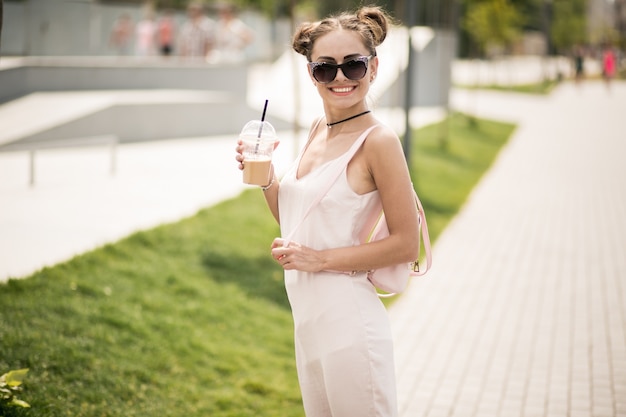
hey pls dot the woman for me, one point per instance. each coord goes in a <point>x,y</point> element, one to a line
<point>608,65</point>
<point>232,36</point>
<point>344,350</point>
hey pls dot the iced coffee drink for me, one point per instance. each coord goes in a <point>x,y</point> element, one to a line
<point>258,139</point>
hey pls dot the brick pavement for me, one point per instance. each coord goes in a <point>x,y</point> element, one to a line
<point>524,311</point>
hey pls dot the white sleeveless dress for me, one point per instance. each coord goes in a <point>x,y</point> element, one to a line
<point>343,341</point>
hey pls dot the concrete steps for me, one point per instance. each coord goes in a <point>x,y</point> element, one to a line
<point>131,115</point>
<point>53,98</point>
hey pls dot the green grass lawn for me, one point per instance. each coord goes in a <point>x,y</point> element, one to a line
<point>543,88</point>
<point>191,318</point>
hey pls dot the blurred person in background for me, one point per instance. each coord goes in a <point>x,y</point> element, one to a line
<point>608,64</point>
<point>145,36</point>
<point>122,35</point>
<point>197,35</point>
<point>166,29</point>
<point>579,63</point>
<point>231,36</point>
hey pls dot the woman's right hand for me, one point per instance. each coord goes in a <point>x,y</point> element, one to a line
<point>239,155</point>
<point>239,150</point>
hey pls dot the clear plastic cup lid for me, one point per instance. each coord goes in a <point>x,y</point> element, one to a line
<point>258,129</point>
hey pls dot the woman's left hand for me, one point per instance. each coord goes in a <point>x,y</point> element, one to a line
<point>296,256</point>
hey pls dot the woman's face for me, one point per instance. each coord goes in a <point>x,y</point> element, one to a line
<point>338,47</point>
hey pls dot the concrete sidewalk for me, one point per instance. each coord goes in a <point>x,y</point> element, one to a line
<point>524,311</point>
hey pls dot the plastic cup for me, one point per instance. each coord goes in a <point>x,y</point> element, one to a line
<point>259,139</point>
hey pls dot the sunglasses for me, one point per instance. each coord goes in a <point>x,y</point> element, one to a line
<point>355,69</point>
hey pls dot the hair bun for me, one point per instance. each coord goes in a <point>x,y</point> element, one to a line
<point>377,20</point>
<point>370,22</point>
<point>302,42</point>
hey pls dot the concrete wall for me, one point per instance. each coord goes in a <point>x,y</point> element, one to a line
<point>188,100</point>
<point>50,74</point>
<point>432,71</point>
<point>13,39</point>
<point>58,27</point>
<point>153,121</point>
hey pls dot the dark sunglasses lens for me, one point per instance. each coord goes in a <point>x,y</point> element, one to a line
<point>354,70</point>
<point>324,73</point>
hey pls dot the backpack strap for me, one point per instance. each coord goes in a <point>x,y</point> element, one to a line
<point>423,226</point>
<point>309,139</point>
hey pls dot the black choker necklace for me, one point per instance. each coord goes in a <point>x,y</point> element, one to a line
<point>349,118</point>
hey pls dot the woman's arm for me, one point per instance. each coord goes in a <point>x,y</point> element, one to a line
<point>270,191</point>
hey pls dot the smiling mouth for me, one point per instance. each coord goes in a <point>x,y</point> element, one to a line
<point>342,89</point>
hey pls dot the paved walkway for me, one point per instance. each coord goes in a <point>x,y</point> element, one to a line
<point>524,312</point>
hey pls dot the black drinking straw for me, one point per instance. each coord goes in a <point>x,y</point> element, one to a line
<point>256,148</point>
<point>262,119</point>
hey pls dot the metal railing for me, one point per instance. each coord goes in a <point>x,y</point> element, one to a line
<point>32,148</point>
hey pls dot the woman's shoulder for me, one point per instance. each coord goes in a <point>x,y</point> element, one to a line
<point>383,144</point>
<point>382,135</point>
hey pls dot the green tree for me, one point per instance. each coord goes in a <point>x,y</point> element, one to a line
<point>532,12</point>
<point>493,23</point>
<point>568,25</point>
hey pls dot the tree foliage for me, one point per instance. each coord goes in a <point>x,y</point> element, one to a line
<point>532,12</point>
<point>493,23</point>
<point>486,22</point>
<point>568,26</point>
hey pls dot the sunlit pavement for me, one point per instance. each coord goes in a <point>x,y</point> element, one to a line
<point>524,311</point>
<point>76,204</point>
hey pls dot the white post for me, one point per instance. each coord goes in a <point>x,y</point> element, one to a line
<point>32,167</point>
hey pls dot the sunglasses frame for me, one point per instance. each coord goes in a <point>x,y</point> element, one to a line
<point>364,59</point>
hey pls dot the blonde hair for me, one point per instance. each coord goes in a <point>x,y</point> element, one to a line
<point>370,22</point>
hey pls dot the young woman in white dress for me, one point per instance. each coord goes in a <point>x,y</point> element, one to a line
<point>344,349</point>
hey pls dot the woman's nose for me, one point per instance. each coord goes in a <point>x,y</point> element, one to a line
<point>340,77</point>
